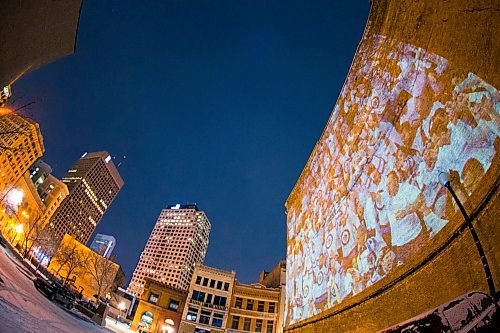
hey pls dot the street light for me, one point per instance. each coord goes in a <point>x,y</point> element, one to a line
<point>19,229</point>
<point>121,307</point>
<point>444,179</point>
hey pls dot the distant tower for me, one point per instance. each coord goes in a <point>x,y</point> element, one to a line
<point>103,244</point>
<point>179,240</point>
<point>39,171</point>
<point>93,183</point>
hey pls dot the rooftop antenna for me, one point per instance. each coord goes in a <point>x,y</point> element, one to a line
<point>121,161</point>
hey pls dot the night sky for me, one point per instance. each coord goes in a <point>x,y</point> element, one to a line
<point>217,103</point>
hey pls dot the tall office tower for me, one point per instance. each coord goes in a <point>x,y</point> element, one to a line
<point>93,183</point>
<point>103,244</point>
<point>178,242</point>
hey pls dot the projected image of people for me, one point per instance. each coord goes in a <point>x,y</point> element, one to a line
<point>370,198</point>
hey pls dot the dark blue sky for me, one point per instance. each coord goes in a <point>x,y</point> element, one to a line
<point>214,102</point>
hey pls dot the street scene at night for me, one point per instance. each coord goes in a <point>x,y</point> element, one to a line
<point>249,166</point>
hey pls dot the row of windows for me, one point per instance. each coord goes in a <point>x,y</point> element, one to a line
<point>205,317</point>
<point>210,299</point>
<point>173,305</point>
<point>213,283</point>
<point>245,324</point>
<point>250,305</point>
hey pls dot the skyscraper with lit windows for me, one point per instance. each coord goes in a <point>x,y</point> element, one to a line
<point>178,242</point>
<point>93,183</point>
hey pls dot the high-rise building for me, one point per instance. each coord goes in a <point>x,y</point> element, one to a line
<point>103,244</point>
<point>93,183</point>
<point>179,240</point>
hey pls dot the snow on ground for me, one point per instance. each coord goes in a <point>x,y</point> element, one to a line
<point>25,309</point>
<point>118,327</point>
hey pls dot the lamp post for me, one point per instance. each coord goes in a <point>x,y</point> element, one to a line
<point>121,307</point>
<point>444,179</point>
<point>18,231</point>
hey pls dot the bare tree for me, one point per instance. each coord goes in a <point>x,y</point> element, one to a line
<point>102,272</point>
<point>71,258</point>
<point>47,242</point>
<point>32,229</point>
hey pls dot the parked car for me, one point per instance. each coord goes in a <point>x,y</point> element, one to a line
<point>472,312</point>
<point>55,292</point>
<point>89,305</point>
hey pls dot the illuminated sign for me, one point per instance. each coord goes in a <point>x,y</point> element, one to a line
<point>369,197</point>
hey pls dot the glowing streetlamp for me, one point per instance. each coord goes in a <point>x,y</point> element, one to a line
<point>444,179</point>
<point>168,327</point>
<point>14,198</point>
<point>19,229</point>
<point>121,307</point>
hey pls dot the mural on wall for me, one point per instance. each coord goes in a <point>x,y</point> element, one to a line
<point>369,197</point>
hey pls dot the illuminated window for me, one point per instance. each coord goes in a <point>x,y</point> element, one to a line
<point>217,319</point>
<point>173,305</point>
<point>192,314</point>
<point>147,318</point>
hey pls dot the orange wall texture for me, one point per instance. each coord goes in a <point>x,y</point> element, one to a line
<point>371,233</point>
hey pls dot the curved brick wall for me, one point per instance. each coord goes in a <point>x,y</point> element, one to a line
<point>421,96</point>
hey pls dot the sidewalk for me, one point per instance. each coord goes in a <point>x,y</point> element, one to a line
<point>117,327</point>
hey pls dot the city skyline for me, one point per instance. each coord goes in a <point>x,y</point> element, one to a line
<point>225,123</point>
<point>352,146</point>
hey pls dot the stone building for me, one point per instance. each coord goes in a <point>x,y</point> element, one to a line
<point>254,308</point>
<point>21,144</point>
<point>276,278</point>
<point>208,301</point>
<point>87,271</point>
<point>160,308</point>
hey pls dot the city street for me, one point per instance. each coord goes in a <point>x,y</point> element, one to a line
<point>25,309</point>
